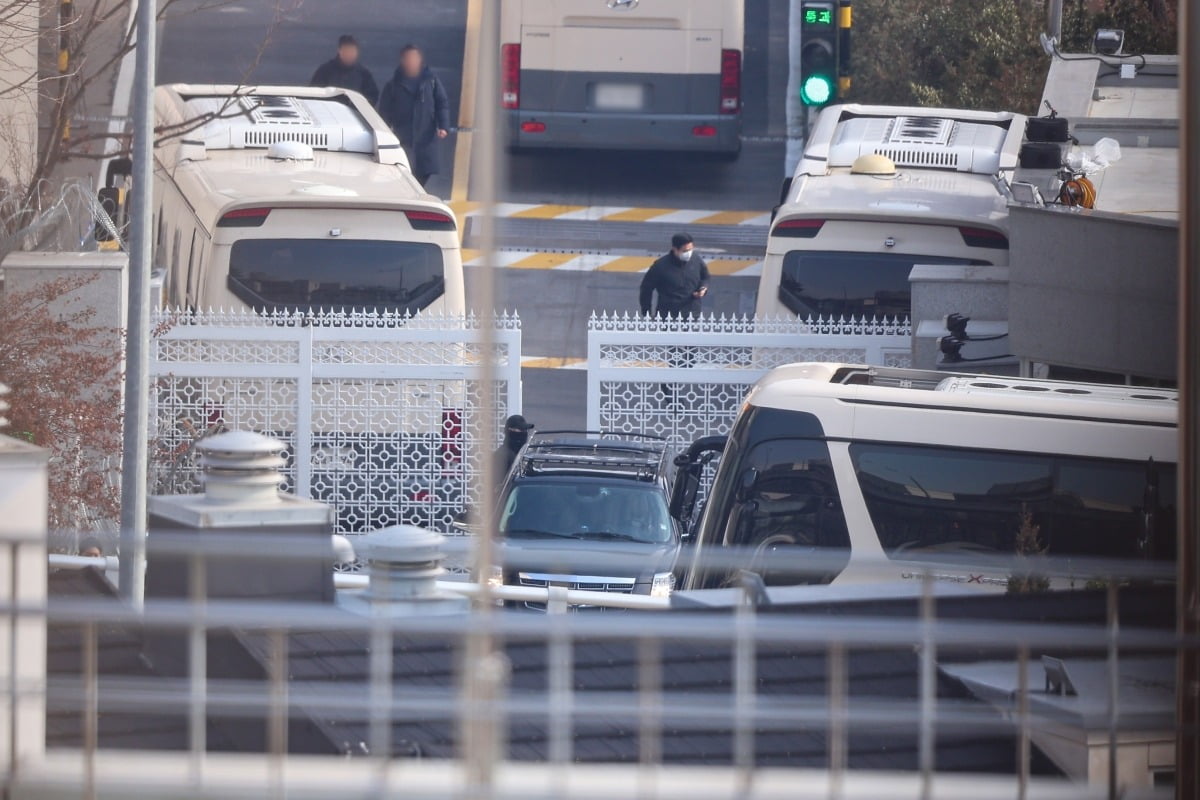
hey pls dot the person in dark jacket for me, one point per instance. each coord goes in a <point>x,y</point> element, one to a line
<point>344,71</point>
<point>415,105</point>
<point>516,434</point>
<point>680,278</point>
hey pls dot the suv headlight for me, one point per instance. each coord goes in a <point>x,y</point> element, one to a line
<point>663,584</point>
<point>495,578</point>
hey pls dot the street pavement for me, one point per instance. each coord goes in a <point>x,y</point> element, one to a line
<point>282,42</point>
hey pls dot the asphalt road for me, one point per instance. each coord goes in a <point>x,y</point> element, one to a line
<point>282,42</point>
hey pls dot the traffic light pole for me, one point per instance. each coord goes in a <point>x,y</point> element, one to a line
<point>797,112</point>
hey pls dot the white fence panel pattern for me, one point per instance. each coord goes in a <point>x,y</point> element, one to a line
<point>685,378</point>
<point>381,413</point>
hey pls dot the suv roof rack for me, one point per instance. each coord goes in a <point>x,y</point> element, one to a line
<point>640,456</point>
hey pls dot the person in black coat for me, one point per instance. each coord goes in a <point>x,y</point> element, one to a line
<point>345,72</point>
<point>680,279</point>
<point>415,105</point>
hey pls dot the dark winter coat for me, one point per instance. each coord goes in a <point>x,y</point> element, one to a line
<point>675,282</point>
<point>415,118</point>
<point>355,77</point>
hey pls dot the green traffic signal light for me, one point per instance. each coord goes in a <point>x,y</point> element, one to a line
<point>817,90</point>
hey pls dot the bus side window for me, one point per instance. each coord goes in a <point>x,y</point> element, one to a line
<point>190,297</point>
<point>174,280</point>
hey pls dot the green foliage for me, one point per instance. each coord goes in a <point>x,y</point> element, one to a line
<point>983,54</point>
<point>1028,543</point>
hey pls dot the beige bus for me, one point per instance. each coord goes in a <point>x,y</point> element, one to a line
<point>879,190</point>
<point>623,74</point>
<point>294,199</point>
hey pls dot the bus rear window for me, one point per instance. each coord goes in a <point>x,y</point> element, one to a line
<point>846,284</point>
<point>303,274</point>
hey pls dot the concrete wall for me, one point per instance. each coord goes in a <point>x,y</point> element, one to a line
<point>18,93</point>
<point>106,294</point>
<point>980,293</point>
<point>1094,291</point>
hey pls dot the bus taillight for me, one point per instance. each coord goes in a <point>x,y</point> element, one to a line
<point>244,218</point>
<point>430,221</point>
<point>798,228</point>
<point>984,237</point>
<point>731,81</point>
<point>510,75</point>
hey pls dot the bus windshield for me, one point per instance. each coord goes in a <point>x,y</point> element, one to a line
<point>303,274</point>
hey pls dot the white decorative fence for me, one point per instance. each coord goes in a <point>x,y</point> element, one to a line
<point>380,413</point>
<point>683,379</point>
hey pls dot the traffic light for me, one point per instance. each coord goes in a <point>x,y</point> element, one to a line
<point>818,53</point>
<point>824,51</point>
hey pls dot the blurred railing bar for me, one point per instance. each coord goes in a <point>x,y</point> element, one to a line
<point>928,689</point>
<point>838,735</point>
<point>1114,678</point>
<point>774,629</point>
<point>688,711</point>
<point>197,668</point>
<point>1024,735</point>
<point>804,564</point>
<point>91,710</point>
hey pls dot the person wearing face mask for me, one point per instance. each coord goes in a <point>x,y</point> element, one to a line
<point>516,434</point>
<point>680,278</point>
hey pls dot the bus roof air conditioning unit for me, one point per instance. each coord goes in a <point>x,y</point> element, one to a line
<point>922,142</point>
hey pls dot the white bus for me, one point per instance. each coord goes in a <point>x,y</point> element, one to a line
<point>284,198</point>
<point>858,467</point>
<point>623,74</point>
<point>878,190</point>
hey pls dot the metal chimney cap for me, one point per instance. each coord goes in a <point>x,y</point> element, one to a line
<point>240,443</point>
<point>402,544</point>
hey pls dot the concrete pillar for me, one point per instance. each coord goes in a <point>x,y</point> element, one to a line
<point>23,503</point>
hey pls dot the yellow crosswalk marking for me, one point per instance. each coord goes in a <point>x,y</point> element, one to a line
<point>546,212</point>
<point>728,218</point>
<point>627,264</point>
<point>469,255</point>
<point>544,261</point>
<point>729,266</point>
<point>550,363</point>
<point>637,214</point>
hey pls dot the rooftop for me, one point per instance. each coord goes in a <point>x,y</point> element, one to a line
<point>1140,112</point>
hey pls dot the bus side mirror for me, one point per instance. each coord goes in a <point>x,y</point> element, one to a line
<point>683,494</point>
<point>690,469</point>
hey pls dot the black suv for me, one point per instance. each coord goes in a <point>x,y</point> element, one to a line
<point>589,511</point>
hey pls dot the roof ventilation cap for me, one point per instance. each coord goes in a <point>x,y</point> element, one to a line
<point>241,467</point>
<point>290,151</point>
<point>873,164</point>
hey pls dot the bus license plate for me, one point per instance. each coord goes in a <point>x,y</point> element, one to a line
<point>619,96</point>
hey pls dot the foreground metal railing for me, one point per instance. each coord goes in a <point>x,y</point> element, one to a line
<point>875,690</point>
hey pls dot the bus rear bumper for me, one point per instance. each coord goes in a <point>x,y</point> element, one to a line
<point>533,130</point>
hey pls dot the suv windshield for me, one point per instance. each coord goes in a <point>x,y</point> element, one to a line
<point>586,510</point>
<point>831,284</point>
<point>270,274</point>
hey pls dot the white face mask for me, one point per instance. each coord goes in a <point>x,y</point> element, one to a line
<point>685,255</point>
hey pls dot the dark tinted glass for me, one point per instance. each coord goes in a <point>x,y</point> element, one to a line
<point>931,500</point>
<point>586,510</point>
<point>825,284</point>
<point>335,273</point>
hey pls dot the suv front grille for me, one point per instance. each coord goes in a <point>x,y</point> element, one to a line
<point>586,583</point>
